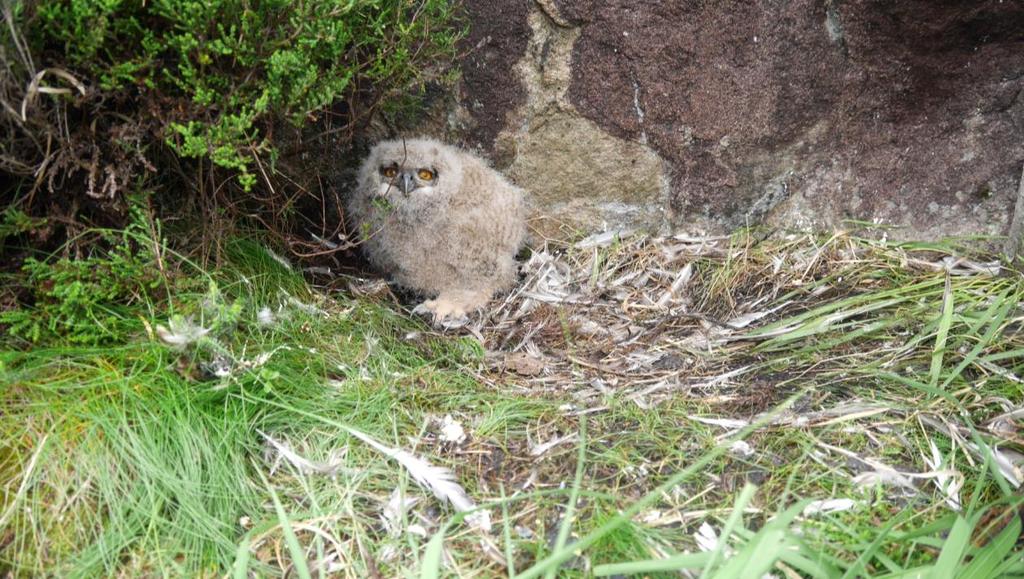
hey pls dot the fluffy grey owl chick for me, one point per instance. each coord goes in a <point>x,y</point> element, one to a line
<point>439,221</point>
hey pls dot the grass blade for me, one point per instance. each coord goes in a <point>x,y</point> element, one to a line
<point>430,567</point>
<point>953,550</point>
<point>570,509</point>
<point>945,321</point>
<point>507,534</point>
<point>992,555</point>
<point>240,568</point>
<point>290,539</point>
<point>746,495</point>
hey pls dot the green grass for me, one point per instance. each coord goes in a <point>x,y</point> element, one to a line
<point>130,457</point>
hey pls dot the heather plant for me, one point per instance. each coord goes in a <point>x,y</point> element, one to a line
<point>113,85</point>
<point>88,300</point>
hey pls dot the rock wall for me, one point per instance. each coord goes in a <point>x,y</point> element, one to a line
<point>706,114</point>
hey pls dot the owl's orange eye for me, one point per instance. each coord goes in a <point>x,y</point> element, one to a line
<point>426,175</point>
<point>389,172</point>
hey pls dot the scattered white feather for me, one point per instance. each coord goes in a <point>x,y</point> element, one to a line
<point>680,282</point>
<point>880,473</point>
<point>636,471</point>
<point>438,480</point>
<point>651,516</point>
<point>1006,423</point>
<point>603,239</point>
<point>726,423</point>
<point>741,448</point>
<point>181,332</point>
<point>542,448</point>
<point>388,553</point>
<point>707,538</point>
<point>884,475</point>
<point>330,468</point>
<point>220,366</point>
<point>1008,461</point>
<point>829,506</point>
<point>266,317</point>
<point>777,262</point>
<point>548,280</point>
<point>304,307</point>
<point>394,512</point>
<point>284,262</point>
<point>452,431</point>
<point>961,266</point>
<point>947,483</point>
<point>745,320</point>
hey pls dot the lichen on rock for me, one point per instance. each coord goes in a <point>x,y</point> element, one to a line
<point>802,114</point>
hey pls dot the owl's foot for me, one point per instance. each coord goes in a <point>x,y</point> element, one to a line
<point>452,306</point>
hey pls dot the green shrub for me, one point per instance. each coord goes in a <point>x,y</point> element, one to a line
<point>87,301</point>
<point>213,71</point>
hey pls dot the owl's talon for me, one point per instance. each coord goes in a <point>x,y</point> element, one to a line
<point>442,309</point>
<point>452,310</point>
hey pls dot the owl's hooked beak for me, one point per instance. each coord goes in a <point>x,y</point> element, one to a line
<point>406,183</point>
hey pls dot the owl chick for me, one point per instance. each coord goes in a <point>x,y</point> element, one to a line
<point>440,222</point>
